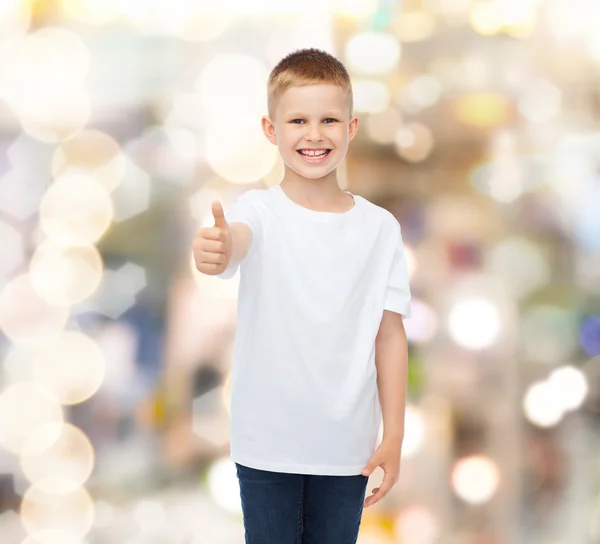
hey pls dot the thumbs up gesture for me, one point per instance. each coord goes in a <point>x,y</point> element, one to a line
<point>213,245</point>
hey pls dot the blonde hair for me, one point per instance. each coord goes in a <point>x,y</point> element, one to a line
<point>307,67</point>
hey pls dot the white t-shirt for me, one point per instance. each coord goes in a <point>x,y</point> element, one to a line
<point>313,288</point>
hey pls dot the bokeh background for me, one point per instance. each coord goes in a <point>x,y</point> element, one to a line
<point>122,120</point>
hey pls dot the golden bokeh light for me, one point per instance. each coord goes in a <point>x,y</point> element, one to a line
<point>483,109</point>
<point>58,118</point>
<point>414,26</point>
<point>65,275</point>
<point>237,150</point>
<point>76,210</point>
<point>372,53</point>
<point>414,142</point>
<point>204,27</point>
<point>95,12</point>
<point>220,93</point>
<point>94,152</point>
<point>25,316</point>
<point>69,511</point>
<point>24,408</point>
<point>41,67</point>
<point>15,16</point>
<point>68,455</point>
<point>71,366</point>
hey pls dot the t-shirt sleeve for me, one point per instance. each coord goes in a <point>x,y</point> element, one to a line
<point>244,209</point>
<point>397,294</point>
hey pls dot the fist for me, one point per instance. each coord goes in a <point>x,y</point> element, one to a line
<point>213,245</point>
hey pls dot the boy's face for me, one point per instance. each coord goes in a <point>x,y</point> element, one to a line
<point>312,128</point>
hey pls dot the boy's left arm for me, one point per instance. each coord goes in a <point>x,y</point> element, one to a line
<point>391,360</point>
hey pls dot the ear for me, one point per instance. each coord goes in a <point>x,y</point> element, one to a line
<point>352,127</point>
<point>269,129</point>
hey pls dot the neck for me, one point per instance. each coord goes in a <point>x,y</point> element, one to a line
<point>321,190</point>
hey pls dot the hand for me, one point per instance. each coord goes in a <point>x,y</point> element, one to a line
<point>387,456</point>
<point>213,245</point>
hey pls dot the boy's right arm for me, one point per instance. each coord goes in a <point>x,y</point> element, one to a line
<point>222,246</point>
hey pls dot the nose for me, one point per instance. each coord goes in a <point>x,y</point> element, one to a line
<point>313,133</point>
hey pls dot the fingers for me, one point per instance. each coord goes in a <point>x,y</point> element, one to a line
<point>381,491</point>
<point>211,233</point>
<point>217,211</point>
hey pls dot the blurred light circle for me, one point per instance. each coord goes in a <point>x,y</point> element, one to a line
<point>224,485</point>
<point>422,325</point>
<point>372,53</point>
<point>68,455</point>
<point>540,100</point>
<point>414,142</point>
<point>569,385</point>
<point>424,91</point>
<point>25,407</point>
<point>75,210</point>
<point>237,151</point>
<point>520,263</point>
<point>68,511</point>
<point>15,16</point>
<point>26,317</point>
<point>475,479</point>
<point>94,12</point>
<point>71,366</point>
<point>417,524</point>
<point>42,66</point>
<point>94,152</point>
<point>58,118</point>
<point>370,96</point>
<point>414,435</point>
<point>204,26</point>
<point>482,109</point>
<point>474,323</point>
<point>65,275</point>
<point>414,26</point>
<point>221,93</point>
<point>383,126</point>
<point>540,405</point>
<point>485,18</point>
<point>53,537</point>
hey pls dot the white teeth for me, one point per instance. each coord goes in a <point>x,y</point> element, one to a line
<point>313,153</point>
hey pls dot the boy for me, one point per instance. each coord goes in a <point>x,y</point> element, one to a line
<point>320,353</point>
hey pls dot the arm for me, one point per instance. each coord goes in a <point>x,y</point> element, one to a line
<point>241,238</point>
<point>391,360</point>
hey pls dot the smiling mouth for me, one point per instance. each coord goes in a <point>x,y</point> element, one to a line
<point>314,155</point>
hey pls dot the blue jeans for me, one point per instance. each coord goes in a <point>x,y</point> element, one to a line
<point>282,508</point>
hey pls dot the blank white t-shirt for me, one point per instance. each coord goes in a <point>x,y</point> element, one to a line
<point>313,288</point>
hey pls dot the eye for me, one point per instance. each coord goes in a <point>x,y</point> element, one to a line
<point>330,120</point>
<point>296,121</point>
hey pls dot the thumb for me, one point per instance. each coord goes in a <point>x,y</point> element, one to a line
<point>217,211</point>
<point>370,466</point>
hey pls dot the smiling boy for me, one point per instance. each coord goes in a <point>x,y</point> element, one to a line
<point>320,354</point>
